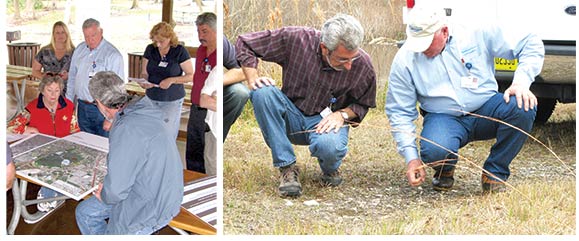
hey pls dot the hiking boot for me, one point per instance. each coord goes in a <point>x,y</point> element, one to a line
<point>289,181</point>
<point>491,186</point>
<point>442,180</point>
<point>332,180</point>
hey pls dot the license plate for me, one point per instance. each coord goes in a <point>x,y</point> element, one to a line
<point>506,64</point>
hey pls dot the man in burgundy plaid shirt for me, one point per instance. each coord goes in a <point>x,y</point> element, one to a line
<point>327,83</point>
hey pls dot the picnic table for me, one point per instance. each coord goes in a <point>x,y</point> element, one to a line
<point>19,75</point>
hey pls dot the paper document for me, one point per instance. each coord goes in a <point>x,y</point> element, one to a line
<point>73,166</point>
<point>142,81</point>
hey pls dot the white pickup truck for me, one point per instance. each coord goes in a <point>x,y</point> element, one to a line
<point>553,20</point>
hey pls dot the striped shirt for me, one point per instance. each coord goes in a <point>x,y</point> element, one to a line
<point>307,80</point>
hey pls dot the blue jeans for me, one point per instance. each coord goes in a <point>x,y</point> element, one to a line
<point>48,193</point>
<point>234,98</point>
<point>454,132</point>
<point>91,215</point>
<point>172,111</point>
<point>279,119</point>
<point>90,119</point>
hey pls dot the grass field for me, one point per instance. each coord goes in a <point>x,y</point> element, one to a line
<point>375,197</point>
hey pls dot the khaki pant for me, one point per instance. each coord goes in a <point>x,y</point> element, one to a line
<point>210,153</point>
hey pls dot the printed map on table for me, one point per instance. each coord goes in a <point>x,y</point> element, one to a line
<point>73,166</point>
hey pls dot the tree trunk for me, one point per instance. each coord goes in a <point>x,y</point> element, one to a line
<point>67,9</point>
<point>29,5</point>
<point>135,4</point>
<point>17,16</point>
<point>30,8</point>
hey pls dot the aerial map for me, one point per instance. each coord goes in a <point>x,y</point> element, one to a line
<point>30,143</point>
<point>70,168</point>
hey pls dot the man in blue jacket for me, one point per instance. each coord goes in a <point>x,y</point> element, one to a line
<point>143,188</point>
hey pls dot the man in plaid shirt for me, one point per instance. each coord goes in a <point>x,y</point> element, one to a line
<point>327,82</point>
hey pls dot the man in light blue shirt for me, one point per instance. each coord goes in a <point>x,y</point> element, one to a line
<point>93,55</point>
<point>449,71</point>
<point>143,188</point>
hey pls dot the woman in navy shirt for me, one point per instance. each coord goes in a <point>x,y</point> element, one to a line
<point>166,65</point>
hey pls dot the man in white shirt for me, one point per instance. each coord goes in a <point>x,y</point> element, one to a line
<point>449,71</point>
<point>208,100</point>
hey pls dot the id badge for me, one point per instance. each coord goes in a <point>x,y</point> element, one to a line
<point>326,112</point>
<point>469,82</point>
<point>91,74</point>
<point>207,68</point>
<point>163,64</point>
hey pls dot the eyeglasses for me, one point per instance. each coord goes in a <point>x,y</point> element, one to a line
<point>345,60</point>
<point>52,74</point>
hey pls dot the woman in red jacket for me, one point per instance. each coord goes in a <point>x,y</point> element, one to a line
<point>51,114</point>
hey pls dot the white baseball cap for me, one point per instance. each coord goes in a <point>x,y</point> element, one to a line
<point>423,22</point>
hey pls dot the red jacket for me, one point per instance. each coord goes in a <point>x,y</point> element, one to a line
<point>64,121</point>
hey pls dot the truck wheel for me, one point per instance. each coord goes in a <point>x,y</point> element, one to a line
<point>544,110</point>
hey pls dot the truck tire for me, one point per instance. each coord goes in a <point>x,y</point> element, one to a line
<point>544,109</point>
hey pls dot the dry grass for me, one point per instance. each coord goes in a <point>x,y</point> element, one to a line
<point>382,21</point>
<point>376,198</point>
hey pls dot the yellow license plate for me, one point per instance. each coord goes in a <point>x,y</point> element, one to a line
<point>506,64</point>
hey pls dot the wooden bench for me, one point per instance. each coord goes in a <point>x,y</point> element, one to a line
<point>187,221</point>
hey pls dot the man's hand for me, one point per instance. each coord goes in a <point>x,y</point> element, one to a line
<point>97,193</point>
<point>260,82</point>
<point>524,96</point>
<point>415,172</point>
<point>331,122</point>
<point>107,125</point>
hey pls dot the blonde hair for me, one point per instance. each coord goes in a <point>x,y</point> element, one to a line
<point>68,44</point>
<point>164,30</point>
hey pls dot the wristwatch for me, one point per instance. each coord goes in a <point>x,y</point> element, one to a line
<point>344,115</point>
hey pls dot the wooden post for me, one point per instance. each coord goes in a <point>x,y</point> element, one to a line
<point>167,11</point>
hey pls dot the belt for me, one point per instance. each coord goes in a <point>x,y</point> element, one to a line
<point>198,107</point>
<point>87,102</point>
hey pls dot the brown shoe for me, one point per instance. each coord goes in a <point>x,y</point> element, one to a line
<point>289,181</point>
<point>442,180</point>
<point>490,185</point>
<point>332,180</point>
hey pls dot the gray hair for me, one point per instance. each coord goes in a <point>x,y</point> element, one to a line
<point>49,79</point>
<point>343,29</point>
<point>109,89</point>
<point>90,22</point>
<point>207,18</point>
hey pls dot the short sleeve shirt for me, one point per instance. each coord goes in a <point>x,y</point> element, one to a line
<point>158,72</point>
<point>50,63</point>
<point>204,63</point>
